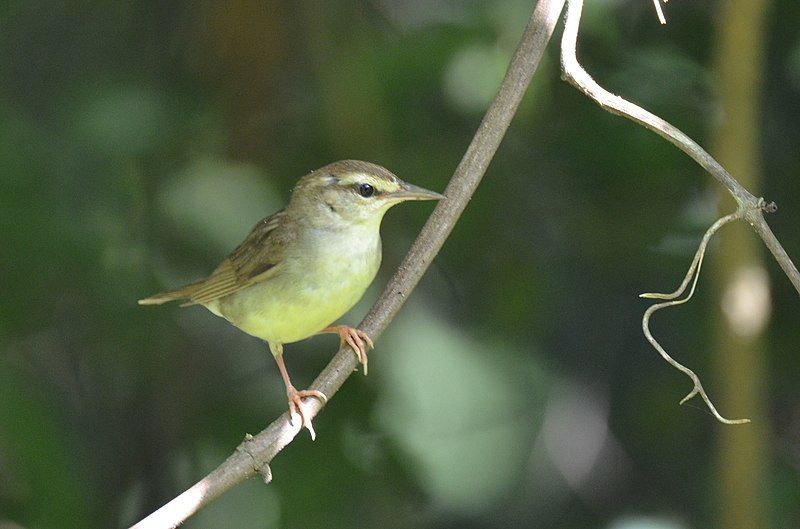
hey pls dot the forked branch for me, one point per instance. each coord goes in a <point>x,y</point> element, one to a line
<point>255,453</point>
<point>750,208</point>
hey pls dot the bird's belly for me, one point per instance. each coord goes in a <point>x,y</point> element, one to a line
<point>292,306</point>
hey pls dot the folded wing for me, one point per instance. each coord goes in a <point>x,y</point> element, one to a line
<point>255,260</point>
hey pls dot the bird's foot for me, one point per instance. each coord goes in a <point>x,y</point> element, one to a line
<point>355,338</point>
<point>296,406</point>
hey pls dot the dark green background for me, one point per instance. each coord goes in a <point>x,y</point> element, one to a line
<point>139,142</point>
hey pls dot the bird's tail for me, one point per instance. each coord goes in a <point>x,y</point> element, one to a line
<point>173,295</point>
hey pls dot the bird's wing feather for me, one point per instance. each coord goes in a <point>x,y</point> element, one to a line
<point>253,261</point>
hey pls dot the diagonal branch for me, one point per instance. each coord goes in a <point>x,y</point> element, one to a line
<point>659,11</point>
<point>750,207</point>
<point>254,454</point>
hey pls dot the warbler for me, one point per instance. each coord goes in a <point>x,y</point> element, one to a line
<point>302,268</point>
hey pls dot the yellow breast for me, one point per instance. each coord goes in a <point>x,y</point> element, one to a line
<point>313,287</point>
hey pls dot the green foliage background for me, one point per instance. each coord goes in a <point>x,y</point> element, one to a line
<point>140,140</point>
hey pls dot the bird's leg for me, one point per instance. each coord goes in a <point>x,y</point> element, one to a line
<point>295,396</point>
<point>355,338</point>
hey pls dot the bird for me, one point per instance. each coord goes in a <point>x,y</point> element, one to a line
<point>301,268</point>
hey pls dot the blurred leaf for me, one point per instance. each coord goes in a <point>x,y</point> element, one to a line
<point>473,76</point>
<point>125,121</point>
<point>646,522</point>
<point>450,400</point>
<point>218,201</point>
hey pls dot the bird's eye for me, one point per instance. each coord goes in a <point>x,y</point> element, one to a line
<point>366,190</point>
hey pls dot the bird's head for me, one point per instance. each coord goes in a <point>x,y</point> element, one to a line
<point>353,191</point>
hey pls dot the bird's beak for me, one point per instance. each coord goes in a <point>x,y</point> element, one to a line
<point>411,192</point>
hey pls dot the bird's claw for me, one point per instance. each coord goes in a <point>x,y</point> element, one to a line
<point>355,338</point>
<point>359,341</point>
<point>296,407</point>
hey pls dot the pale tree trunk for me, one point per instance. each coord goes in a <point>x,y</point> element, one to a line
<point>742,282</point>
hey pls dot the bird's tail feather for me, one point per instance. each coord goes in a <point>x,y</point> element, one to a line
<point>173,295</point>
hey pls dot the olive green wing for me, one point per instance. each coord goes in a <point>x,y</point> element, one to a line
<point>255,260</point>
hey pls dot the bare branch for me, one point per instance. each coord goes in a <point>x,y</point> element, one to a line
<point>659,11</point>
<point>255,453</point>
<point>750,207</point>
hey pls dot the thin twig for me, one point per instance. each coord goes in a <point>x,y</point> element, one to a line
<point>255,453</point>
<point>751,208</point>
<point>694,271</point>
<point>659,11</point>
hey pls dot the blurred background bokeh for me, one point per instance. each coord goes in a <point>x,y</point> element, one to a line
<point>140,140</point>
